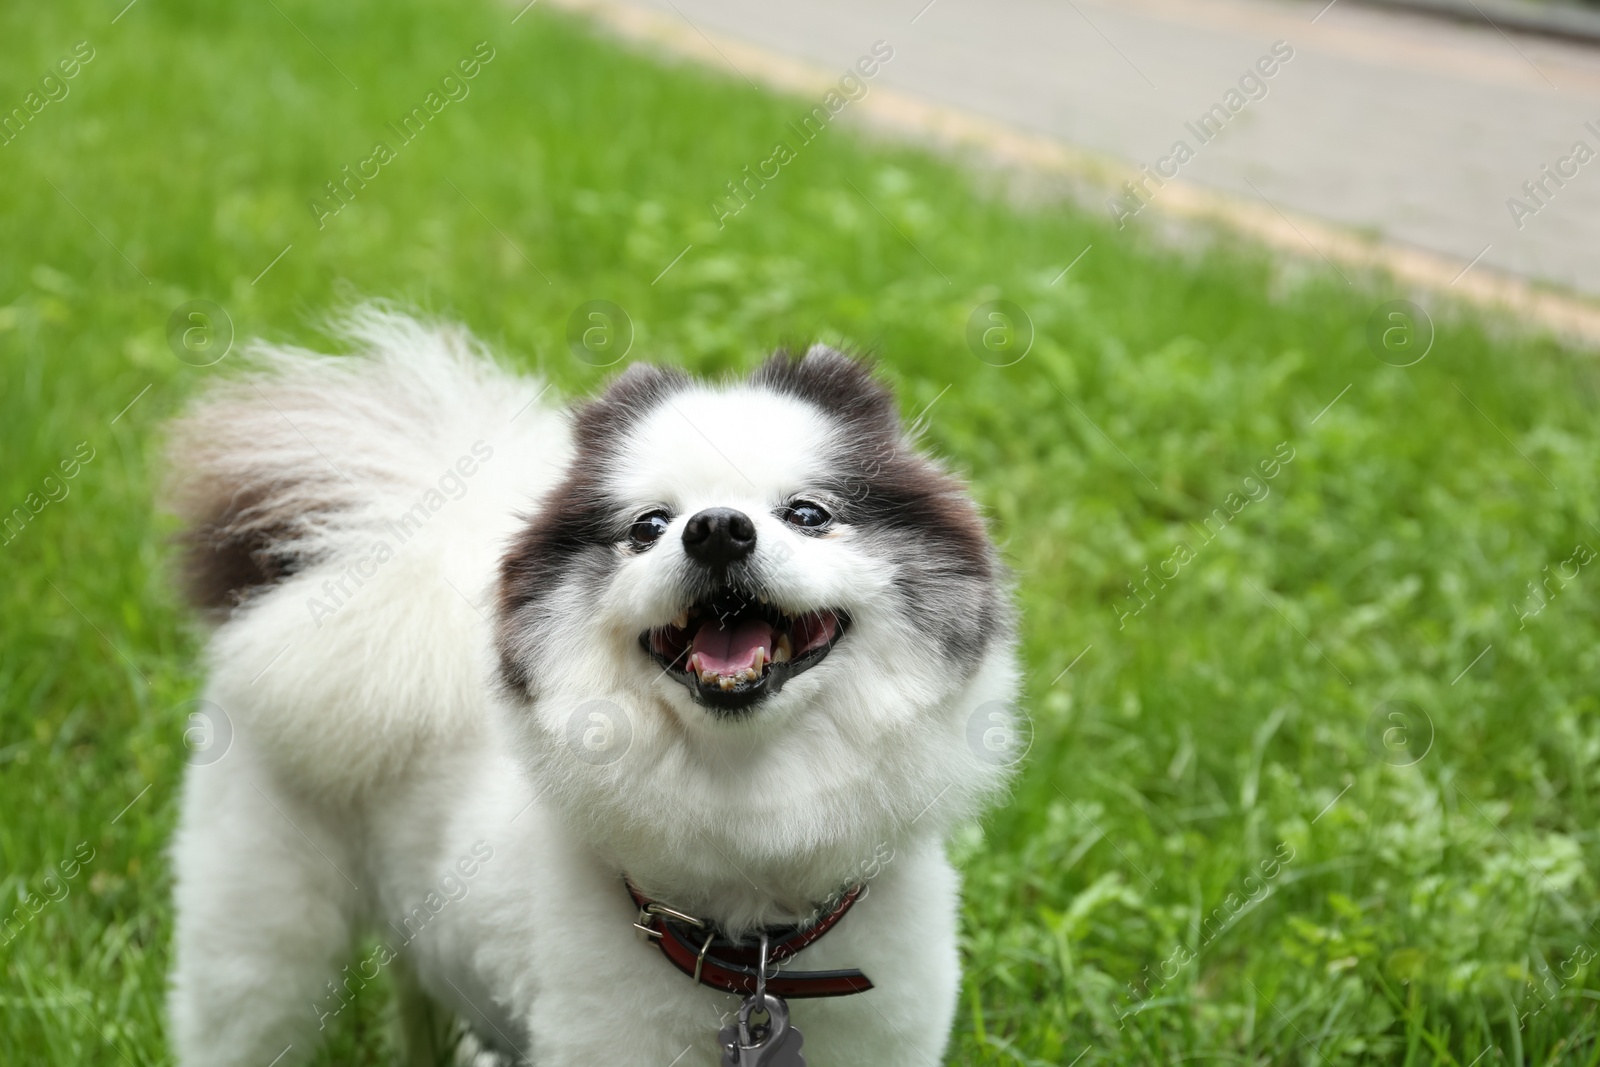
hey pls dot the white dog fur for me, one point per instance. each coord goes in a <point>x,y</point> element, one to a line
<point>411,746</point>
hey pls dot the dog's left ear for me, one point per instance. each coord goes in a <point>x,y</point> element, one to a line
<point>842,385</point>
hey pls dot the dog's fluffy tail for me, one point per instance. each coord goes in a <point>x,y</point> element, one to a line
<point>342,519</point>
<point>282,466</point>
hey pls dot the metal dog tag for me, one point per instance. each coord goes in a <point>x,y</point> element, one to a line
<point>774,1043</point>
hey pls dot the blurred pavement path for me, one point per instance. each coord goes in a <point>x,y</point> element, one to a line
<point>1397,126</point>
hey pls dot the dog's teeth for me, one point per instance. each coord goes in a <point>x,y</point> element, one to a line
<point>726,683</point>
<point>761,597</point>
<point>681,619</point>
<point>760,662</point>
<point>783,650</point>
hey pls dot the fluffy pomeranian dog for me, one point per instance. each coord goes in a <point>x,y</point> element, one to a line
<point>555,717</point>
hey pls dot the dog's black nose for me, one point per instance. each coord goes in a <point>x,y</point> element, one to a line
<point>719,536</point>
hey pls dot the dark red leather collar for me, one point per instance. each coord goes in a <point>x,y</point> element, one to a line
<point>696,948</point>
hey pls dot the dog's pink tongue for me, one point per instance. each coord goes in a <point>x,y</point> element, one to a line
<point>729,650</point>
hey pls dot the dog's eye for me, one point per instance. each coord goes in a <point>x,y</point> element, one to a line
<point>648,528</point>
<point>805,514</point>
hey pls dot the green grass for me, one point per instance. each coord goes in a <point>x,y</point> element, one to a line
<point>1431,913</point>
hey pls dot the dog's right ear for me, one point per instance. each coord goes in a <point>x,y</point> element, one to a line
<point>634,394</point>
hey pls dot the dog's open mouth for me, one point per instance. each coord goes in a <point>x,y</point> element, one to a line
<point>734,648</point>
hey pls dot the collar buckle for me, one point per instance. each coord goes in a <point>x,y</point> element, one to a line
<point>650,911</point>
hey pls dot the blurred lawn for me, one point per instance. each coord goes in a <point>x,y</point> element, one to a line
<point>1185,764</point>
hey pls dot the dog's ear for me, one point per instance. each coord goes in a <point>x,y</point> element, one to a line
<point>844,386</point>
<point>631,396</point>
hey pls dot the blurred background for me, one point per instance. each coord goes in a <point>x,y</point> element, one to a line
<point>1264,330</point>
